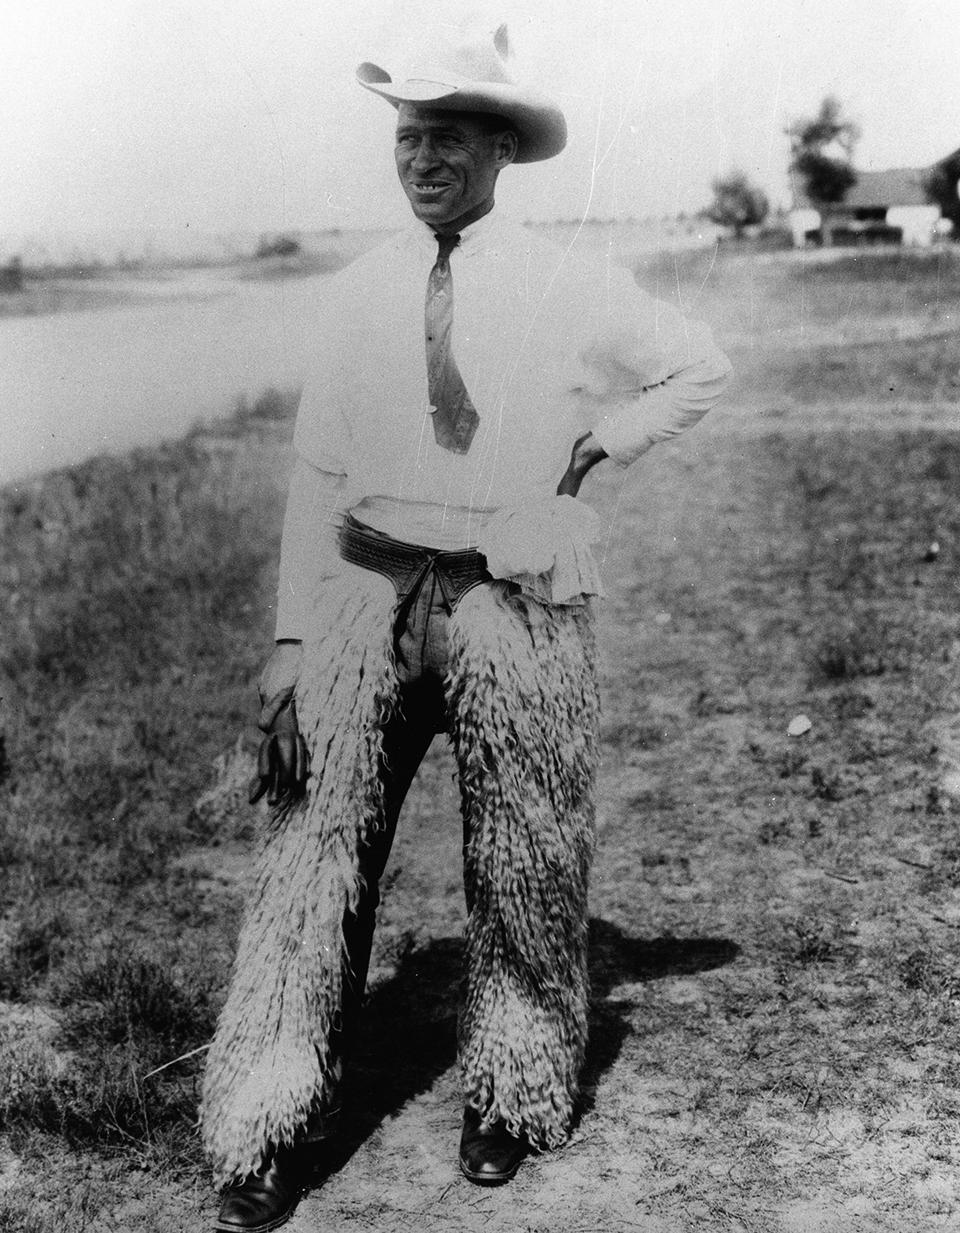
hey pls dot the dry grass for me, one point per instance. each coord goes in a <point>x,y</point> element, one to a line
<point>136,603</point>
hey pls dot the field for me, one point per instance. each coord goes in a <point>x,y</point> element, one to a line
<point>776,993</point>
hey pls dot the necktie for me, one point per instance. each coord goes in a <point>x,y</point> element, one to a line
<point>455,418</point>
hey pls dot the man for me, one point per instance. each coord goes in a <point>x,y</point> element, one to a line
<point>436,576</point>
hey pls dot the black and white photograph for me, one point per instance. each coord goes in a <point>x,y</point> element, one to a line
<point>480,616</point>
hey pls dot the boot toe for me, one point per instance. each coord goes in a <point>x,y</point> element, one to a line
<point>489,1156</point>
<point>265,1200</point>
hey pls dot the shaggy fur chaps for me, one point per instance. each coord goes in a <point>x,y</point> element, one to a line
<point>522,699</point>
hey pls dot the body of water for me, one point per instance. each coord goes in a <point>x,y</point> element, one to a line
<point>81,383</point>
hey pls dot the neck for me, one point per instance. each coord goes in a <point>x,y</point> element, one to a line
<point>456,225</point>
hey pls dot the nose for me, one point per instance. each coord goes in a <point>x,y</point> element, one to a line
<point>425,156</point>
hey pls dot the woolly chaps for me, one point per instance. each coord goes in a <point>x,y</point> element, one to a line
<point>522,701</point>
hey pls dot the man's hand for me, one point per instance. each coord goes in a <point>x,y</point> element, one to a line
<point>282,761</point>
<point>586,453</point>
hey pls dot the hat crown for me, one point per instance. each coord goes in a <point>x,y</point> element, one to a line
<point>472,56</point>
<point>480,58</point>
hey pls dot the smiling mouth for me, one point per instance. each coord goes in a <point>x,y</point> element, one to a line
<point>429,186</point>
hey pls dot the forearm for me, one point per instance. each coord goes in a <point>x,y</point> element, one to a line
<point>651,380</point>
<point>632,426</point>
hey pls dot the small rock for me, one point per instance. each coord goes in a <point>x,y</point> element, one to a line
<point>799,725</point>
<point>950,783</point>
<point>933,551</point>
<point>662,618</point>
<point>9,1169</point>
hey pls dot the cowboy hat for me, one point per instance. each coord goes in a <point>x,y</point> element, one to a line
<point>471,75</point>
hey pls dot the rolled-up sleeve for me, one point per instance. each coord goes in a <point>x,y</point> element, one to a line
<point>653,381</point>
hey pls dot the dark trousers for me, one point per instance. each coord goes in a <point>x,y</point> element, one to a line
<point>422,654</point>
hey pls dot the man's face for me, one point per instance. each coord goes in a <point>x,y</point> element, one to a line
<point>448,163</point>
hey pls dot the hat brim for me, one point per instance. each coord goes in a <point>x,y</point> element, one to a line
<point>538,122</point>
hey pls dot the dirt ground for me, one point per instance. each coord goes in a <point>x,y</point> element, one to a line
<point>776,995</point>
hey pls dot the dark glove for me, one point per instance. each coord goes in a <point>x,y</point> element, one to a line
<point>586,453</point>
<point>282,760</point>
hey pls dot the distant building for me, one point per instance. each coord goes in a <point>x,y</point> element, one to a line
<point>883,207</point>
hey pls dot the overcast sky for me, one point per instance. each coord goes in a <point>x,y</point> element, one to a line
<point>238,115</point>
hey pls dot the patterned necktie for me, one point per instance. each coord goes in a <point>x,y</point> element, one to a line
<point>455,418</point>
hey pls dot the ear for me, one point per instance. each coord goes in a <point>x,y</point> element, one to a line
<point>505,147</point>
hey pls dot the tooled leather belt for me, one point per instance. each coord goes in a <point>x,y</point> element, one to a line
<point>409,566</point>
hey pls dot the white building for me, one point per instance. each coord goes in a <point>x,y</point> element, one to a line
<point>883,207</point>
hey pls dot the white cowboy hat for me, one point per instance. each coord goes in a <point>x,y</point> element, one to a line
<point>471,75</point>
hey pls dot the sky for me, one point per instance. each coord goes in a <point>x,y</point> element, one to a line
<point>232,116</point>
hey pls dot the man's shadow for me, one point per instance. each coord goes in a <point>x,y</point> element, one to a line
<point>407,1038</point>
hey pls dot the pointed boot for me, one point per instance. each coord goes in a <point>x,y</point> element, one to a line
<point>268,1198</point>
<point>488,1157</point>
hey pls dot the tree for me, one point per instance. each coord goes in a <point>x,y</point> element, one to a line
<point>737,203</point>
<point>942,185</point>
<point>821,152</point>
<point>278,246</point>
<point>11,275</point>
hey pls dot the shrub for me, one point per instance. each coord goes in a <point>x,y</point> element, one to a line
<point>104,1103</point>
<point>853,653</point>
<point>273,406</point>
<point>737,203</point>
<point>124,998</point>
<point>815,940</point>
<point>278,246</point>
<point>34,947</point>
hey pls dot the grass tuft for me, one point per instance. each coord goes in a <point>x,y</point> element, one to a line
<point>815,939</point>
<point>127,998</point>
<point>853,653</point>
<point>102,1104</point>
<point>36,945</point>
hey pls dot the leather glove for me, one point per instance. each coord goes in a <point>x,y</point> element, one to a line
<point>282,760</point>
<point>584,456</point>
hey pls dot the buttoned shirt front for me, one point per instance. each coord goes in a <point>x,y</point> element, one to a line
<point>549,346</point>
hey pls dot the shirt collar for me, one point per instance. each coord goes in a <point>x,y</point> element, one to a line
<point>478,235</point>
<point>475,238</point>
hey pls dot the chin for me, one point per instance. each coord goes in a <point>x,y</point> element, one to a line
<point>433,215</point>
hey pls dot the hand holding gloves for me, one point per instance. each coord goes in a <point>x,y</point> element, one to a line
<point>282,760</point>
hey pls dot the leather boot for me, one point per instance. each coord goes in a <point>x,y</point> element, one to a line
<point>268,1198</point>
<point>488,1157</point>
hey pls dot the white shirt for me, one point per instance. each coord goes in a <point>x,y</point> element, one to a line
<point>549,347</point>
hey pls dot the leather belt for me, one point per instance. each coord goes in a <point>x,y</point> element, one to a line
<point>409,566</point>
